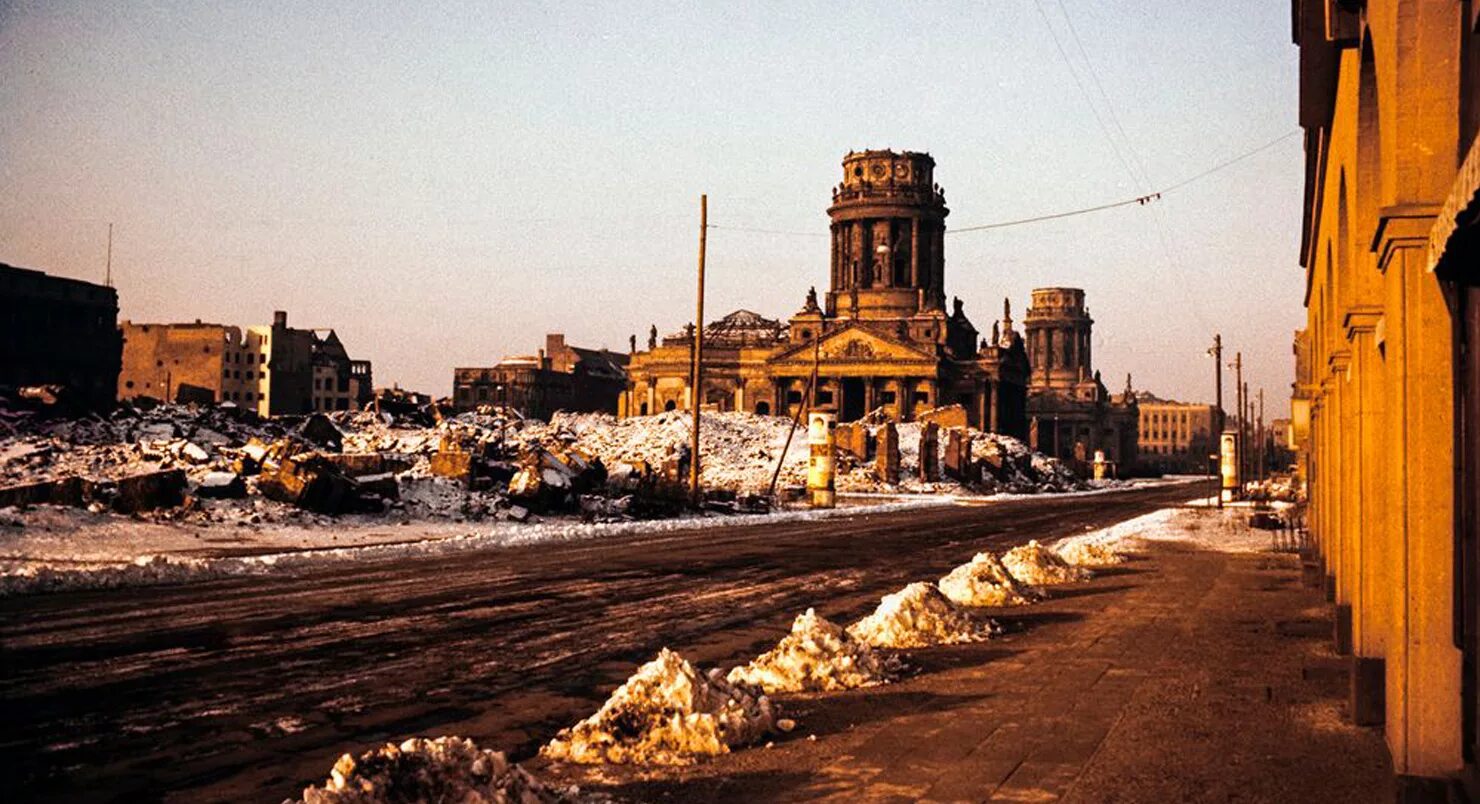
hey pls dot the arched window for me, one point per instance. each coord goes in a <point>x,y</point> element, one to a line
<point>670,405</point>
<point>763,408</point>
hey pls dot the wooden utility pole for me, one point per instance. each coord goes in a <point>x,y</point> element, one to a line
<point>1217,423</point>
<point>696,374</point>
<point>108,270</point>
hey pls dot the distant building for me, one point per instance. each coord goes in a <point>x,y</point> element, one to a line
<point>1175,437</point>
<point>1071,413</point>
<point>559,377</point>
<point>271,369</point>
<point>883,338</point>
<point>56,331</point>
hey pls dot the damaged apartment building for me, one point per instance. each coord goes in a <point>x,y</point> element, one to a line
<point>270,369</point>
<point>558,377</point>
<point>882,338</point>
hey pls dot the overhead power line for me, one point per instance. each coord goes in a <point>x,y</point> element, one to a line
<point>1141,200</point>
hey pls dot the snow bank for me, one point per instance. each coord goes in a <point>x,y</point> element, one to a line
<point>1034,564</point>
<point>1089,554</point>
<point>450,769</point>
<point>817,656</point>
<point>667,714</point>
<point>1196,525</point>
<point>62,564</point>
<point>918,616</point>
<point>984,581</point>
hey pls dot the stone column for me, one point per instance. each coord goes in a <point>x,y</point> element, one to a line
<point>915,252</point>
<point>1341,448</point>
<point>740,396</point>
<point>1367,486</point>
<point>992,405</point>
<point>652,396</point>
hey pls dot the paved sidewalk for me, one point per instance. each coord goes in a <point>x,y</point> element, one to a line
<point>1184,676</point>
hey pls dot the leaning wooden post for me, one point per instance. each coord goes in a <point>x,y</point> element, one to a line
<point>696,394</point>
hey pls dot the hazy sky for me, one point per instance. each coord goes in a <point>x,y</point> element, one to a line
<point>443,183</point>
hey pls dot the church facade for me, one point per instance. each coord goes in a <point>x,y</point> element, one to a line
<point>880,339</point>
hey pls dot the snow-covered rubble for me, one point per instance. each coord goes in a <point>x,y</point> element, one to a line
<point>984,581</point>
<point>1037,565</point>
<point>1196,524</point>
<point>667,713</point>
<point>445,769</point>
<point>816,656</point>
<point>918,616</point>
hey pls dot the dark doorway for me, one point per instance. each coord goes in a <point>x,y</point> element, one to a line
<point>853,400</point>
<point>763,408</point>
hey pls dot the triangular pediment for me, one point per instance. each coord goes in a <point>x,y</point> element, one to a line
<point>856,343</point>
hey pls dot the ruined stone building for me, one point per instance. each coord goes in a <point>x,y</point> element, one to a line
<point>558,377</point>
<point>1175,437</point>
<point>58,331</point>
<point>271,369</point>
<point>881,338</point>
<point>1072,415</point>
<point>1389,369</point>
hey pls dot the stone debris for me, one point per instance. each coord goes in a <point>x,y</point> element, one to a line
<point>1036,565</point>
<point>817,656</point>
<point>491,463</point>
<point>984,581</point>
<point>919,616</point>
<point>1089,554</point>
<point>445,769</point>
<point>667,713</point>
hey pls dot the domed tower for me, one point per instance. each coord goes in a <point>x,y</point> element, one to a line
<point>1057,329</point>
<point>888,222</point>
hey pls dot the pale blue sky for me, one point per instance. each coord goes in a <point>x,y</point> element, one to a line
<point>445,182</point>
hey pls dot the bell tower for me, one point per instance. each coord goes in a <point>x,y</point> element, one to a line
<point>888,226</point>
<point>1057,328</point>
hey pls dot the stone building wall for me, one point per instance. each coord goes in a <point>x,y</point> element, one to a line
<point>1390,106</point>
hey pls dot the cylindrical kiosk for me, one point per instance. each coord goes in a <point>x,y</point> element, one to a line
<point>1101,466</point>
<point>820,440</point>
<point>1228,464</point>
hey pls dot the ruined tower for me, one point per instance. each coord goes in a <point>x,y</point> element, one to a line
<point>1057,328</point>
<point>888,222</point>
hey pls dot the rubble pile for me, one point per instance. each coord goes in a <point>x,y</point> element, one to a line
<point>1036,565</point>
<point>231,467</point>
<point>984,581</point>
<point>667,713</point>
<point>919,616</point>
<point>451,769</point>
<point>817,656</point>
<point>1089,554</point>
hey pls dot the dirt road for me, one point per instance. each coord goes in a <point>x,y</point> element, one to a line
<point>249,688</point>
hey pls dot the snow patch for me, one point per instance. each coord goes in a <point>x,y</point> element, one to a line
<point>817,656</point>
<point>918,616</point>
<point>451,769</point>
<point>984,581</point>
<point>1034,564</point>
<point>667,713</point>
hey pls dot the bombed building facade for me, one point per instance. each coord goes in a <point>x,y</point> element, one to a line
<point>1071,413</point>
<point>558,377</point>
<point>881,337</point>
<point>270,369</point>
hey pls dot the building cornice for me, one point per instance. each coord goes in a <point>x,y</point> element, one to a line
<point>1402,226</point>
<point>1361,319</point>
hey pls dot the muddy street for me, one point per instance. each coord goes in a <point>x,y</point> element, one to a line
<point>249,688</point>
